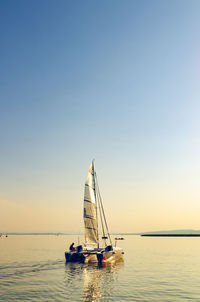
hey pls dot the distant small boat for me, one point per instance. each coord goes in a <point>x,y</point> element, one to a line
<point>91,251</point>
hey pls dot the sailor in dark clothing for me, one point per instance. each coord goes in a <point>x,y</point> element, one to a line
<point>71,248</point>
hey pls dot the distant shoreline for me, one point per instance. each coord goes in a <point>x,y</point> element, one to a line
<point>161,233</point>
<point>170,235</point>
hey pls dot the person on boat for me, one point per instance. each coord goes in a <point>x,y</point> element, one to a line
<point>71,248</point>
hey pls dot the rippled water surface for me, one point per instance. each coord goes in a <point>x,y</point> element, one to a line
<point>32,268</point>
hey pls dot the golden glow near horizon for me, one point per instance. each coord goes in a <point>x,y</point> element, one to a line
<point>127,209</point>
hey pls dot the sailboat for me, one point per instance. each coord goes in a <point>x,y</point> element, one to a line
<point>94,248</point>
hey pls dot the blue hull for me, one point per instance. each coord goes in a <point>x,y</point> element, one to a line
<point>74,257</point>
<point>80,257</point>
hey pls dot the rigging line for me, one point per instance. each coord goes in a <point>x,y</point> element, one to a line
<point>100,211</point>
<point>103,211</point>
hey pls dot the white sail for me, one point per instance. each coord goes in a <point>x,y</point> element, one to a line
<point>90,210</point>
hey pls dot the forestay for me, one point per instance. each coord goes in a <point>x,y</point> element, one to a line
<point>90,210</point>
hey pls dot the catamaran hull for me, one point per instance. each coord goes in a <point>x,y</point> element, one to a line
<point>89,257</point>
<point>74,257</point>
<point>112,256</point>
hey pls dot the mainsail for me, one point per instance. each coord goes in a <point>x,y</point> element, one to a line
<point>90,208</point>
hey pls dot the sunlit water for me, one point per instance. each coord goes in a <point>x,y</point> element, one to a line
<point>32,268</point>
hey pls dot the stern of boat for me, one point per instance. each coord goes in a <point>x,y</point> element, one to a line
<point>74,257</point>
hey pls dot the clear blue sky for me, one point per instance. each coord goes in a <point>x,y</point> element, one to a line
<point>113,80</point>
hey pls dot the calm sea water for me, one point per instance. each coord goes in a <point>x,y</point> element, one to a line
<point>32,268</point>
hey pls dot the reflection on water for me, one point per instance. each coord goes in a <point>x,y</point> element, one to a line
<point>92,287</point>
<point>32,268</point>
<point>97,281</point>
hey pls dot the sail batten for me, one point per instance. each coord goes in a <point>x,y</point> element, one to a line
<point>90,210</point>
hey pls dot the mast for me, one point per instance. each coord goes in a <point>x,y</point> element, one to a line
<point>95,194</point>
<point>93,207</point>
